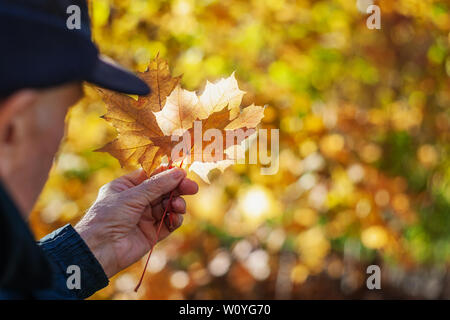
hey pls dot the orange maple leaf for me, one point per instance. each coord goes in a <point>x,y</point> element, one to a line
<point>149,128</point>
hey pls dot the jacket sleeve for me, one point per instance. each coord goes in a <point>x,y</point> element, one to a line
<point>68,254</point>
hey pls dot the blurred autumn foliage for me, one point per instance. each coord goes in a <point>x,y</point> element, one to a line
<point>364,125</point>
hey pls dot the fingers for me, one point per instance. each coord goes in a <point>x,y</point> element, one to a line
<point>149,227</point>
<point>178,205</point>
<point>158,185</point>
<point>186,187</point>
<point>138,176</point>
<point>166,229</point>
<point>156,191</point>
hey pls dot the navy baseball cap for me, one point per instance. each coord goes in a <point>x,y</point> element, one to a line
<point>42,46</point>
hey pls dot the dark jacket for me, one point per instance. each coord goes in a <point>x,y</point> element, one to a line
<point>39,270</point>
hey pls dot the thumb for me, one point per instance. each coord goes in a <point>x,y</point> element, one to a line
<point>158,185</point>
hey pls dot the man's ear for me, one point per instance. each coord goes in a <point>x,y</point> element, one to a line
<point>11,107</point>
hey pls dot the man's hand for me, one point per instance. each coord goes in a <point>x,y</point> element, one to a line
<point>121,225</point>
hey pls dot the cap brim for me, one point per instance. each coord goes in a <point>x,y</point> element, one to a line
<point>111,76</point>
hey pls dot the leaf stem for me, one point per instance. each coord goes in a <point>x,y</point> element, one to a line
<point>158,232</point>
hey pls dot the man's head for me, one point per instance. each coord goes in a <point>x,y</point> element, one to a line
<point>31,128</point>
<point>42,67</point>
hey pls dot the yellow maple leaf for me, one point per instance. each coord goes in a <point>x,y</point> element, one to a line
<point>150,127</point>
